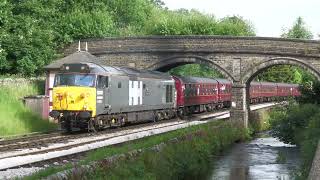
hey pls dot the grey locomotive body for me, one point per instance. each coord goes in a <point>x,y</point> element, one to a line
<point>125,95</point>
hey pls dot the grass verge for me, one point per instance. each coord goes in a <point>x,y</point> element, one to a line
<point>15,118</point>
<point>189,158</point>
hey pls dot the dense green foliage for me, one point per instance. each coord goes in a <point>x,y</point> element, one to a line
<point>300,125</point>
<point>298,30</point>
<point>189,157</point>
<point>195,70</point>
<point>32,31</point>
<point>15,117</point>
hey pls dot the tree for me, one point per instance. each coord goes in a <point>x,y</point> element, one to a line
<point>33,31</point>
<point>5,15</point>
<point>288,73</point>
<point>298,30</point>
<point>198,70</point>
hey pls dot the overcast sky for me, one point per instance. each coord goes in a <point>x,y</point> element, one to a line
<point>269,17</point>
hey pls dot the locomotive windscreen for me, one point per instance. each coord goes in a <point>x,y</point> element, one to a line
<point>74,80</point>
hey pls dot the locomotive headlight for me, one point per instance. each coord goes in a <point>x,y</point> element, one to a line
<point>85,107</point>
<point>67,67</point>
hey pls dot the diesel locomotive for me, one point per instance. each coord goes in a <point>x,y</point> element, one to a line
<point>91,96</point>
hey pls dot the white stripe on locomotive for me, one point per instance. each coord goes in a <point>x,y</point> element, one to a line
<point>135,93</point>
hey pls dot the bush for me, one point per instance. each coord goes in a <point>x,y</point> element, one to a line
<point>300,125</point>
<point>289,123</point>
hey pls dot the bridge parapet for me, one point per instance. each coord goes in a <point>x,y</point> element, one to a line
<point>217,44</point>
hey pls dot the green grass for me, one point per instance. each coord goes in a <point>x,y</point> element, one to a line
<point>195,150</point>
<point>15,118</point>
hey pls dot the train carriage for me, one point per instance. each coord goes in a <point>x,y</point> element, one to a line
<point>287,90</point>
<point>254,92</point>
<point>295,90</point>
<point>224,87</point>
<point>196,94</point>
<point>268,91</point>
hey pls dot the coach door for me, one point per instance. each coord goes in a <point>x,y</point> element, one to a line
<point>102,92</point>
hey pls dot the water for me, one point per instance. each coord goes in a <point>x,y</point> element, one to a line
<point>262,158</point>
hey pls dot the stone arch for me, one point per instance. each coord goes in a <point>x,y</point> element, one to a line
<point>253,72</point>
<point>175,61</point>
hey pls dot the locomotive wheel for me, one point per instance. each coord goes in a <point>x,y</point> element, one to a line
<point>181,113</point>
<point>156,117</point>
<point>66,124</point>
<point>91,126</point>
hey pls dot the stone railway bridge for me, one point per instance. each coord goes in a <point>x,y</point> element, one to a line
<point>239,59</point>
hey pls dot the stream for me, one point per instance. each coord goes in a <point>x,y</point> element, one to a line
<point>262,158</point>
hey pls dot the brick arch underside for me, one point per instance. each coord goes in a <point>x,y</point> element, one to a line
<point>253,72</point>
<point>172,62</point>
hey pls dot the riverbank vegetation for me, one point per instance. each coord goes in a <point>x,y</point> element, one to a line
<point>184,154</point>
<point>298,124</point>
<point>15,117</point>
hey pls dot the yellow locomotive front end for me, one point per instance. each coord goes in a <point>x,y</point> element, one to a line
<point>74,98</point>
<point>77,99</point>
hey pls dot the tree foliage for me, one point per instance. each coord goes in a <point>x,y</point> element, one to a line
<point>198,70</point>
<point>33,31</point>
<point>288,73</point>
<point>299,30</point>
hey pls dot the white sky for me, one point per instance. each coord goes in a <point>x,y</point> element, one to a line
<point>269,17</point>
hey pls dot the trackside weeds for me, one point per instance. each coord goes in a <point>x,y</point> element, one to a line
<point>182,154</point>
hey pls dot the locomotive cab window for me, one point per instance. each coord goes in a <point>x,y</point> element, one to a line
<point>74,80</point>
<point>102,82</point>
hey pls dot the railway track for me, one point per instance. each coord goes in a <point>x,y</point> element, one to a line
<point>34,150</point>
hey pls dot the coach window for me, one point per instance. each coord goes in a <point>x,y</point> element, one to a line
<point>119,84</point>
<point>102,82</point>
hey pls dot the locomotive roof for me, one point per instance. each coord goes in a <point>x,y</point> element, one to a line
<point>126,71</point>
<point>77,57</point>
